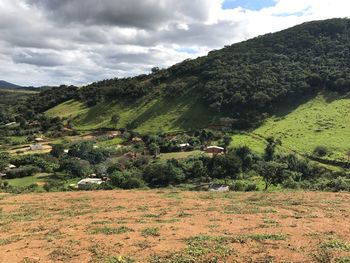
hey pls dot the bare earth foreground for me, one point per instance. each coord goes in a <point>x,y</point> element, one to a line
<point>171,226</point>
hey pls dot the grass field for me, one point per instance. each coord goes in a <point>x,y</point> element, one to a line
<point>68,109</point>
<point>320,122</point>
<point>156,115</point>
<point>171,226</point>
<point>39,179</point>
<point>179,155</point>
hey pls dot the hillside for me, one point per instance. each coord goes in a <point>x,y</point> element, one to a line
<point>8,85</point>
<point>246,81</point>
<point>280,74</point>
<point>319,122</point>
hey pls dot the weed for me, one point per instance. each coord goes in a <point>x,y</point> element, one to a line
<point>10,240</point>
<point>111,230</point>
<point>150,231</point>
<point>336,244</point>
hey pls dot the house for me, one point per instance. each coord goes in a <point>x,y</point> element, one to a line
<point>10,124</point>
<point>66,151</point>
<point>183,145</point>
<point>130,155</point>
<point>36,147</point>
<point>11,166</point>
<point>2,175</point>
<point>113,134</point>
<point>214,150</point>
<point>136,139</point>
<point>84,183</point>
<point>38,139</point>
<point>219,188</point>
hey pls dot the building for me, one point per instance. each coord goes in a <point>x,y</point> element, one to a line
<point>39,139</point>
<point>214,150</point>
<point>219,188</point>
<point>36,147</point>
<point>11,166</point>
<point>84,183</point>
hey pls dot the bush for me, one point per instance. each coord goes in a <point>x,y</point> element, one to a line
<point>320,151</point>
<point>290,184</point>
<point>54,185</point>
<point>22,171</point>
<point>243,186</point>
<point>127,179</point>
<point>161,174</point>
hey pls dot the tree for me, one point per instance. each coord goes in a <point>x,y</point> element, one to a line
<point>271,148</point>
<point>155,70</point>
<point>57,150</point>
<point>161,174</point>
<point>271,171</point>
<point>115,118</point>
<point>154,149</point>
<point>227,141</point>
<point>4,160</point>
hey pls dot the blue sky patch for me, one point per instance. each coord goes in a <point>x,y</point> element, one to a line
<point>187,50</point>
<point>248,4</point>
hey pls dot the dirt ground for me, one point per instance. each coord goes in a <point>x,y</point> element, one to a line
<point>172,226</point>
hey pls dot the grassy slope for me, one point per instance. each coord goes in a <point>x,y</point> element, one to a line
<point>157,115</point>
<point>323,120</point>
<point>67,109</point>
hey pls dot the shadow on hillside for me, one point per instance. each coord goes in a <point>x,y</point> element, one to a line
<point>333,96</point>
<point>182,113</point>
<point>291,104</point>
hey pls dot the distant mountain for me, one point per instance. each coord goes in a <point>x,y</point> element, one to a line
<point>8,85</point>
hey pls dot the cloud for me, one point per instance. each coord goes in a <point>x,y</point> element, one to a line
<point>79,41</point>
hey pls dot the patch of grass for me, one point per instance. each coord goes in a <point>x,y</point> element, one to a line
<point>62,254</point>
<point>263,237</point>
<point>342,260</point>
<point>336,244</point>
<point>111,230</point>
<point>118,259</point>
<point>317,122</point>
<point>10,240</point>
<point>151,231</point>
<point>200,249</point>
<point>68,109</point>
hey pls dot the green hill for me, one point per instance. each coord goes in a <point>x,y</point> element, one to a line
<point>249,83</point>
<point>323,121</point>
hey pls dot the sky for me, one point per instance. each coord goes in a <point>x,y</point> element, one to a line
<point>53,42</point>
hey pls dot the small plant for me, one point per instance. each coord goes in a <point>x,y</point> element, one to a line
<point>336,244</point>
<point>151,231</point>
<point>111,230</point>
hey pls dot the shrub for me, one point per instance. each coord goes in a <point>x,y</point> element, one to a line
<point>320,151</point>
<point>160,174</point>
<point>127,179</point>
<point>22,171</point>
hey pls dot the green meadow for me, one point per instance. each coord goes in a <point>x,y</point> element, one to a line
<point>323,121</point>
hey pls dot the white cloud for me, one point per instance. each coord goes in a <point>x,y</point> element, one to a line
<point>79,41</point>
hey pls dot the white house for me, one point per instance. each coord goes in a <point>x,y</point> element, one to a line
<point>11,166</point>
<point>36,147</point>
<point>89,181</point>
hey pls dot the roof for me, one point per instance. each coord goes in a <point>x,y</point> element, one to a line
<point>39,139</point>
<point>11,166</point>
<point>184,144</point>
<point>215,147</point>
<point>90,181</point>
